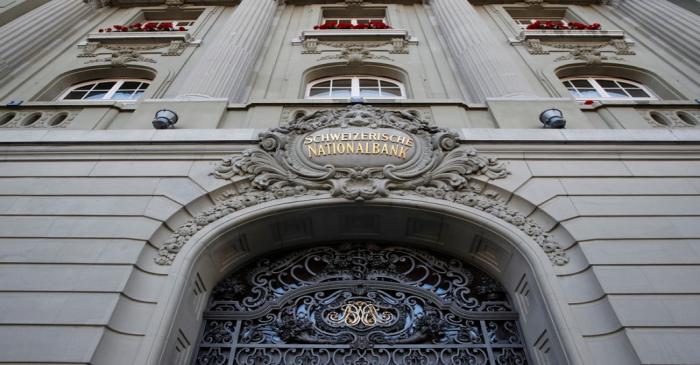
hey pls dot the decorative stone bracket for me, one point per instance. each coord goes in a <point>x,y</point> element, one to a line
<point>361,153</point>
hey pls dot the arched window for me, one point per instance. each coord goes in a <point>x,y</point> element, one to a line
<point>360,303</point>
<point>369,87</point>
<point>107,89</point>
<point>606,88</point>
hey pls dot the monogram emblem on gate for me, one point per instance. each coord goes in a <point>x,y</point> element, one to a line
<point>359,313</point>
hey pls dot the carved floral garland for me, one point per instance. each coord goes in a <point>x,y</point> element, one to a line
<point>441,171</point>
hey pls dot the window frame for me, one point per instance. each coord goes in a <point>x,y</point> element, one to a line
<point>108,96</point>
<point>355,87</point>
<point>603,94</point>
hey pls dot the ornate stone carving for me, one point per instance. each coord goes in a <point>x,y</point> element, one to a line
<point>394,153</point>
<point>623,47</point>
<point>88,50</point>
<point>227,203</point>
<point>492,204</point>
<point>591,55</point>
<point>123,57</point>
<point>400,46</point>
<point>591,52</point>
<point>354,55</point>
<point>313,45</point>
<point>435,162</point>
<point>174,48</point>
<point>534,46</point>
<point>310,46</point>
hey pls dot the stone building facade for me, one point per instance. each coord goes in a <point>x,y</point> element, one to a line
<point>320,147</point>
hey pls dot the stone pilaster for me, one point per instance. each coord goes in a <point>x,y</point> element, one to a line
<point>485,68</point>
<point>30,34</point>
<point>225,70</point>
<point>673,28</point>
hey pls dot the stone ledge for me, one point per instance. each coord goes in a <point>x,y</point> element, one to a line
<point>249,135</point>
<point>569,35</point>
<point>354,34</point>
<point>138,36</point>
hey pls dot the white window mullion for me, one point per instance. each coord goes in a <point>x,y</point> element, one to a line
<point>598,88</point>
<point>355,87</point>
<point>113,90</point>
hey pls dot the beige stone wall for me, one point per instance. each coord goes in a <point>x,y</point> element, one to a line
<point>268,74</point>
<point>80,221</point>
<point>86,203</point>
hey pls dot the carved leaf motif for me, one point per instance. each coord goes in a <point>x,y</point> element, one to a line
<point>441,170</point>
<point>453,171</point>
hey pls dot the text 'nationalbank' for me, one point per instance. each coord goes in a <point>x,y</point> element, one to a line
<point>329,144</point>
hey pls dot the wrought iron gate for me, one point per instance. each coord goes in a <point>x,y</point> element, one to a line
<point>363,304</point>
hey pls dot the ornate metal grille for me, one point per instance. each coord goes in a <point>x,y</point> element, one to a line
<point>360,304</point>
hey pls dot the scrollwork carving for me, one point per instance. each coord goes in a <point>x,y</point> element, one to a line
<point>438,167</point>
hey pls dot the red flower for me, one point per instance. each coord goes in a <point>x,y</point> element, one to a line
<point>165,26</point>
<point>327,25</point>
<point>561,26</point>
<point>150,27</point>
<point>378,25</point>
<point>182,29</point>
<point>101,30</point>
<point>335,25</point>
<point>578,26</point>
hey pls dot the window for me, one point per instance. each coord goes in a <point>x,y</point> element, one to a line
<point>355,86</point>
<point>114,89</point>
<point>587,88</point>
<point>171,19</point>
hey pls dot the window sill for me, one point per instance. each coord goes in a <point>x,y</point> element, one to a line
<point>570,35</point>
<point>353,34</point>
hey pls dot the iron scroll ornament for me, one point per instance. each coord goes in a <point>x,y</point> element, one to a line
<point>435,310</point>
<point>438,168</point>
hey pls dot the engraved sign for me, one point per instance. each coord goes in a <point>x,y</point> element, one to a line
<point>349,147</point>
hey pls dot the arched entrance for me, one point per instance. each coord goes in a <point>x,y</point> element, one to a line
<point>497,248</point>
<point>359,303</point>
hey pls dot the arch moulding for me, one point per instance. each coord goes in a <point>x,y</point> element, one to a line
<point>431,194</point>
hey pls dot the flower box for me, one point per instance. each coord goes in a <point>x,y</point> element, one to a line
<point>347,26</point>
<point>558,25</point>
<point>143,27</point>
